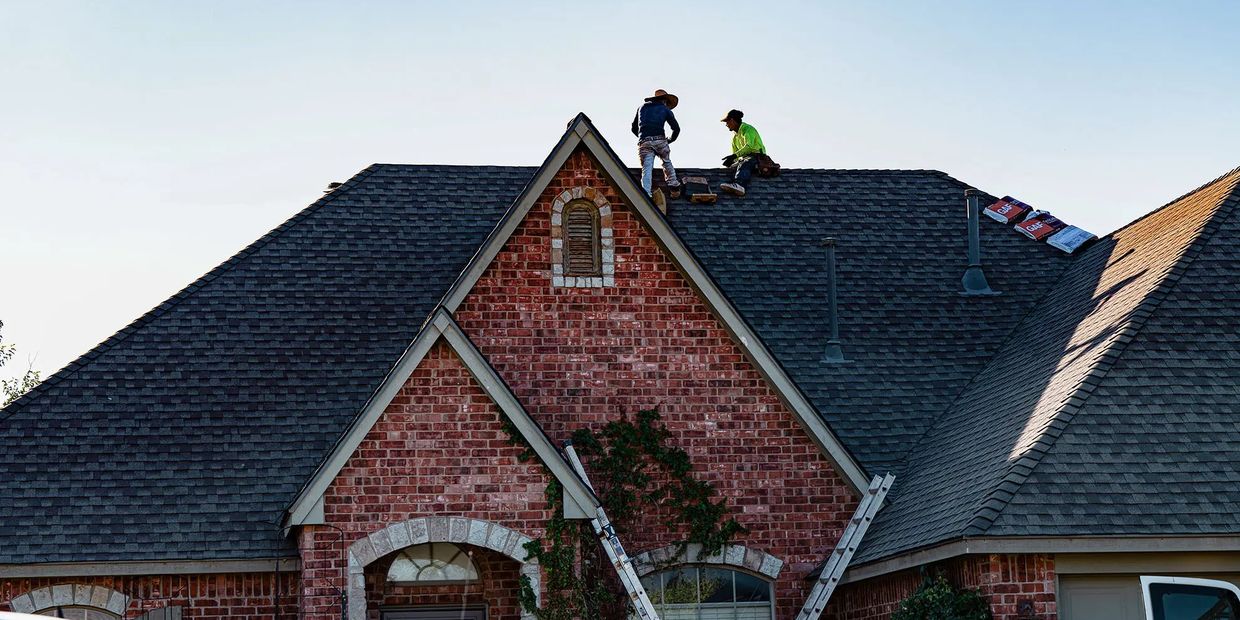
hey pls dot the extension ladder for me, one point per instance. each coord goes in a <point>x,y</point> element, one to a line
<point>835,566</point>
<point>611,543</point>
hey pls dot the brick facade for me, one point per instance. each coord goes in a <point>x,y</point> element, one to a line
<point>578,357</point>
<point>225,596</point>
<point>437,450</point>
<point>1012,583</point>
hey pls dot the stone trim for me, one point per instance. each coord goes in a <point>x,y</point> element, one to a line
<point>423,530</point>
<point>737,556</point>
<point>607,240</point>
<point>71,595</point>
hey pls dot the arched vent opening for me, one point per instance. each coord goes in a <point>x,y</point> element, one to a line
<point>581,240</point>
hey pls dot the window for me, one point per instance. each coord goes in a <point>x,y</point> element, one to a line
<point>581,240</point>
<point>78,613</point>
<point>434,562</point>
<point>709,593</point>
<point>1190,602</point>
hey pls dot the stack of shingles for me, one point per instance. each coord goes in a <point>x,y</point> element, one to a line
<point>1039,225</point>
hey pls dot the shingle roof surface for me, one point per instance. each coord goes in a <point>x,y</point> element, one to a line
<point>1110,410</point>
<point>187,434</point>
<point>213,409</point>
<point>911,340</point>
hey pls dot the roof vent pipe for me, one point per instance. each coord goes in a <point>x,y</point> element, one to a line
<point>834,353</point>
<point>974,280</point>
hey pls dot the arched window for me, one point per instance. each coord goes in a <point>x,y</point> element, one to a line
<point>432,563</point>
<point>78,613</point>
<point>582,251</point>
<point>709,593</point>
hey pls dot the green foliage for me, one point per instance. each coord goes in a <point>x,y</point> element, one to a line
<point>937,599</point>
<point>12,389</point>
<point>632,468</point>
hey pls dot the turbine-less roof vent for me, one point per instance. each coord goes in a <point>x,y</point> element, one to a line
<point>834,353</point>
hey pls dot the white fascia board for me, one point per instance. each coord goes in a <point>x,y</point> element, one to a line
<point>580,132</point>
<point>512,219</point>
<point>1042,544</point>
<point>308,508</point>
<point>722,307</point>
<point>154,567</point>
<point>574,488</point>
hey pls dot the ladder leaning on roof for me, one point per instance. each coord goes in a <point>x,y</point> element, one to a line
<point>837,563</point>
<point>611,543</point>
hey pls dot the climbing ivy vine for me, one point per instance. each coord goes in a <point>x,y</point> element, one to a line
<point>634,469</point>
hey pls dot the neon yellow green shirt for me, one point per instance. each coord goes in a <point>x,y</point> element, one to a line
<point>747,141</point>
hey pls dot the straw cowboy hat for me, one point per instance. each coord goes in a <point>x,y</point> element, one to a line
<point>668,98</point>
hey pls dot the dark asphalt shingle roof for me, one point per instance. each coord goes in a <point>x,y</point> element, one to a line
<point>186,434</point>
<point>213,409</point>
<point>1111,408</point>
<point>912,342</point>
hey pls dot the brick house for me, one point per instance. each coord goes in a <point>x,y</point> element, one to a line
<point>315,428</point>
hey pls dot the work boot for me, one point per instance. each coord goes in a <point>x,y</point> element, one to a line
<point>659,201</point>
<point>673,191</point>
<point>733,188</point>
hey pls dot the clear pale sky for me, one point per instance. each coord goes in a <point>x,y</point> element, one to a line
<point>142,143</point>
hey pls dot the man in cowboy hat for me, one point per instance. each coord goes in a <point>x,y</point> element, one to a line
<point>648,127</point>
<point>745,145</point>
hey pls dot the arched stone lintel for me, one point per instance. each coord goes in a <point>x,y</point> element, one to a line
<point>422,530</point>
<point>738,556</point>
<point>71,595</point>
<point>607,238</point>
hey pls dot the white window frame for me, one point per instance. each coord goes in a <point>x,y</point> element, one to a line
<point>733,570</point>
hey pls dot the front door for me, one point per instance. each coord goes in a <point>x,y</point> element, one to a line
<point>436,613</point>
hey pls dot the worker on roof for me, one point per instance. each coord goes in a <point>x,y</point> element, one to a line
<point>648,127</point>
<point>746,145</point>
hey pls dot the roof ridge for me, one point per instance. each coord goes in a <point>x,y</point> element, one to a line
<point>1018,472</point>
<point>163,307</point>
<point>1156,210</point>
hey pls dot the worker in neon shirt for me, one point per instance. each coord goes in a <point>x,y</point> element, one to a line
<point>745,145</point>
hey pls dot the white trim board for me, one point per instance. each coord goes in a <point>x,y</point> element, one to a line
<point>1043,544</point>
<point>153,567</point>
<point>582,133</point>
<point>579,501</point>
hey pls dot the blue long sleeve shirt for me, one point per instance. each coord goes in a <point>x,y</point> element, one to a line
<point>649,120</point>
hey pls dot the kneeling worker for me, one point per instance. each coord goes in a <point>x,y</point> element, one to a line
<point>651,141</point>
<point>745,145</point>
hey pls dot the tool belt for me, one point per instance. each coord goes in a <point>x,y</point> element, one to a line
<point>766,167</point>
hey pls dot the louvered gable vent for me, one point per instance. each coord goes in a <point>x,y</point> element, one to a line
<point>581,240</point>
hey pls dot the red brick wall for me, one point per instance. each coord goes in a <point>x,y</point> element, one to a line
<point>1005,580</point>
<point>437,450</point>
<point>580,356</point>
<point>222,596</point>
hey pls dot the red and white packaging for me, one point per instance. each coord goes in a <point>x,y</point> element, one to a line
<point>1007,210</point>
<point>1040,225</point>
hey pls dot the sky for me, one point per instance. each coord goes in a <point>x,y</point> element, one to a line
<point>143,143</point>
